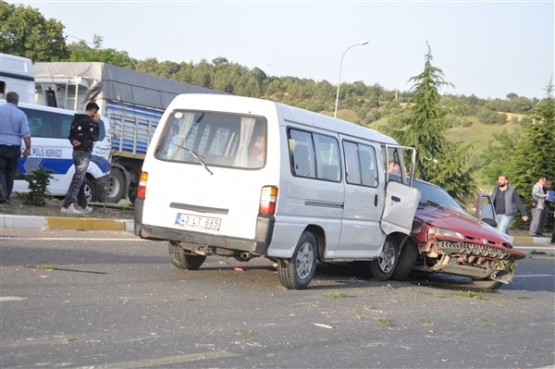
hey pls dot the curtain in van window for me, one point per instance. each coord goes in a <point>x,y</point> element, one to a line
<point>177,142</point>
<point>247,128</point>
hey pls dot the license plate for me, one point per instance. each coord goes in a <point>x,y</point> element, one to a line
<point>197,222</point>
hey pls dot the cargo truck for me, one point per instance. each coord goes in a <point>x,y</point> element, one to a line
<point>132,101</point>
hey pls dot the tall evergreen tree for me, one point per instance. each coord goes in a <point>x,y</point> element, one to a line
<point>438,160</point>
<point>535,154</point>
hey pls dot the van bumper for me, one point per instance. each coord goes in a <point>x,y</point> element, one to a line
<point>193,240</point>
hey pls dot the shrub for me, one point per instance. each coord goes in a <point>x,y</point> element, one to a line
<point>38,181</point>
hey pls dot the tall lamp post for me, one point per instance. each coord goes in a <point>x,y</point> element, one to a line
<point>340,67</point>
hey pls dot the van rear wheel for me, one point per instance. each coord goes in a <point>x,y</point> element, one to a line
<point>383,267</point>
<point>183,260</point>
<point>297,272</point>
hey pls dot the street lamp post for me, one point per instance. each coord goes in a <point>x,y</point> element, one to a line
<point>341,66</point>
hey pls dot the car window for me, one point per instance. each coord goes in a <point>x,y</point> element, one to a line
<point>434,194</point>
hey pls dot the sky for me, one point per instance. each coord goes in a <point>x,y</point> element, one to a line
<point>484,48</point>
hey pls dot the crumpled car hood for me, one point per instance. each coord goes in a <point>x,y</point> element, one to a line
<point>465,224</point>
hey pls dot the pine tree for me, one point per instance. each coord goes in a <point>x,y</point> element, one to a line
<point>438,160</point>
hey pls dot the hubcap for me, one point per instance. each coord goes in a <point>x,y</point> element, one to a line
<point>305,260</point>
<point>386,260</point>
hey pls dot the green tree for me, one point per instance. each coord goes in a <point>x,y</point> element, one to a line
<point>82,52</point>
<point>535,154</point>
<point>497,157</point>
<point>438,160</point>
<point>25,32</point>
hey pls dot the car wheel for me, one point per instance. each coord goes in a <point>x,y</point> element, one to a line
<point>116,186</point>
<point>297,272</point>
<point>90,191</point>
<point>486,284</point>
<point>383,267</point>
<point>182,260</point>
<point>407,259</point>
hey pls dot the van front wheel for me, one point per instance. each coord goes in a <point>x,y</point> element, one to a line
<point>383,267</point>
<point>182,260</point>
<point>297,272</point>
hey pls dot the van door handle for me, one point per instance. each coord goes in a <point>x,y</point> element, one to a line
<point>395,198</point>
<point>376,200</point>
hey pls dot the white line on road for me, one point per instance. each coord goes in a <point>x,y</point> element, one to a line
<point>11,298</point>
<point>536,247</point>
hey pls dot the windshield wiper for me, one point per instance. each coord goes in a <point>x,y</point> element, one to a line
<point>196,156</point>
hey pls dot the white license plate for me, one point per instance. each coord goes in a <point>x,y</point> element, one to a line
<point>197,222</point>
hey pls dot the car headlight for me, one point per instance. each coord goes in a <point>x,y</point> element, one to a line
<point>445,233</point>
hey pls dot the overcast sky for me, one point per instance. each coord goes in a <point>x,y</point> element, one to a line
<point>485,48</point>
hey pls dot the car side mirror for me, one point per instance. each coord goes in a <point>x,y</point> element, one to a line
<point>490,221</point>
<point>485,210</point>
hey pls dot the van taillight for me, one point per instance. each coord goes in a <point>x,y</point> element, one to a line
<point>141,190</point>
<point>268,199</point>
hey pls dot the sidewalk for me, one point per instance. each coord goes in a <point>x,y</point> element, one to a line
<point>101,224</point>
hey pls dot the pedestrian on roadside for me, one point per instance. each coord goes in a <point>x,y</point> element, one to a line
<point>14,127</point>
<point>506,202</point>
<point>546,205</point>
<point>539,196</point>
<point>83,134</point>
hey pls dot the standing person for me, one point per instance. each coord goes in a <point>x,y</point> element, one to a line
<point>506,202</point>
<point>537,213</point>
<point>14,127</point>
<point>83,134</point>
<point>546,205</point>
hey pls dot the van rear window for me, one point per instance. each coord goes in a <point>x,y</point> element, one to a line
<point>218,139</point>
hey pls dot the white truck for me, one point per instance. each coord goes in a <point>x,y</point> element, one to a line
<point>132,101</point>
<point>16,74</point>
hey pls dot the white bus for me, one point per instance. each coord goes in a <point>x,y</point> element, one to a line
<point>243,177</point>
<point>51,150</point>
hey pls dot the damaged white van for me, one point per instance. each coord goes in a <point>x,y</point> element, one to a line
<point>244,177</point>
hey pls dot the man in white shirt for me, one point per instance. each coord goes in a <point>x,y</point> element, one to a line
<point>13,128</point>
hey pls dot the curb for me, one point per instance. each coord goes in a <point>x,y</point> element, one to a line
<point>79,224</point>
<point>531,240</point>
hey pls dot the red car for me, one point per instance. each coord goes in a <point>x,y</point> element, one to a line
<point>445,238</point>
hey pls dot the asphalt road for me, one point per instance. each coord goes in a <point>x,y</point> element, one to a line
<point>110,300</point>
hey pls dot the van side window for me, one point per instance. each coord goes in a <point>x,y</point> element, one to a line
<point>48,124</point>
<point>314,155</point>
<point>361,164</point>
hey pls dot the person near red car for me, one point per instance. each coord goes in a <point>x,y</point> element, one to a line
<point>507,202</point>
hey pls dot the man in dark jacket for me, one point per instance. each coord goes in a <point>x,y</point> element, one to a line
<point>83,134</point>
<point>507,202</point>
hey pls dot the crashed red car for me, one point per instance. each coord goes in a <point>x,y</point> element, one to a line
<point>445,238</point>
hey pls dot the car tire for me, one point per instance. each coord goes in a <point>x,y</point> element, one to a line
<point>297,272</point>
<point>486,284</point>
<point>407,260</point>
<point>116,186</point>
<point>183,260</point>
<point>383,267</point>
<point>91,191</point>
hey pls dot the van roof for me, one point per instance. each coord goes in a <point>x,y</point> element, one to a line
<point>250,105</point>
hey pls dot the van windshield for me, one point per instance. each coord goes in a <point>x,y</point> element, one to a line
<point>217,139</point>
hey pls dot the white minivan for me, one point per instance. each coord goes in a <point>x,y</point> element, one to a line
<point>243,177</point>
